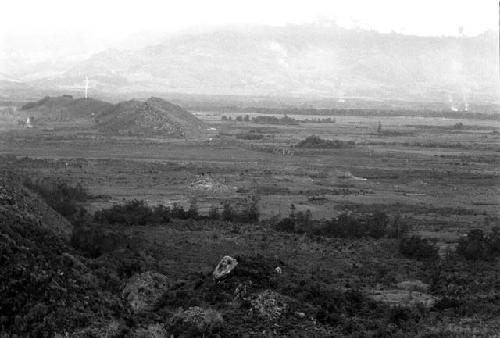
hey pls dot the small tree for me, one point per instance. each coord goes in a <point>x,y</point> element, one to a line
<point>292,211</point>
<point>494,241</point>
<point>213,212</point>
<point>178,211</point>
<point>246,118</point>
<point>253,209</point>
<point>378,224</point>
<point>227,211</point>
<point>474,246</point>
<point>418,248</point>
<point>379,127</point>
<point>192,212</point>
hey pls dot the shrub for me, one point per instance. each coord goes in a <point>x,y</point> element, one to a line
<point>494,241</point>
<point>303,221</point>
<point>377,225</point>
<point>249,213</point>
<point>213,213</point>
<point>477,246</point>
<point>397,229</point>
<point>275,120</point>
<point>133,212</point>
<point>286,225</point>
<point>62,197</point>
<point>161,214</point>
<point>192,212</point>
<point>344,226</point>
<point>418,248</point>
<point>94,240</point>
<point>178,211</point>
<point>227,212</point>
<point>250,136</point>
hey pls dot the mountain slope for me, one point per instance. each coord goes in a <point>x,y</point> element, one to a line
<point>152,117</point>
<point>15,199</point>
<point>301,60</point>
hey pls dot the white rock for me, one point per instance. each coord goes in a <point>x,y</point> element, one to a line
<point>225,266</point>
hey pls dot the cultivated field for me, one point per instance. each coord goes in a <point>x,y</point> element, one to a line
<point>442,177</point>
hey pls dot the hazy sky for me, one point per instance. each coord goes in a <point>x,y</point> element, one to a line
<point>39,29</point>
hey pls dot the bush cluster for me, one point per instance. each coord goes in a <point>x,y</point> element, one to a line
<point>137,212</point>
<point>376,225</point>
<point>250,136</point>
<point>248,214</point>
<point>478,246</point>
<point>275,120</point>
<point>317,142</point>
<point>62,197</point>
<point>418,248</point>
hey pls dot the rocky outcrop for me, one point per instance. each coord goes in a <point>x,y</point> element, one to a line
<point>151,331</point>
<point>269,305</point>
<point>196,321</point>
<point>143,291</point>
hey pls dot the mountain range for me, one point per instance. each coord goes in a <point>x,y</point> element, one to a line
<point>295,60</point>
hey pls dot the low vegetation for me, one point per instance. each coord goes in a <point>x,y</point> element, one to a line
<point>62,197</point>
<point>418,248</point>
<point>265,119</point>
<point>377,225</point>
<point>317,142</point>
<point>103,255</point>
<point>480,246</point>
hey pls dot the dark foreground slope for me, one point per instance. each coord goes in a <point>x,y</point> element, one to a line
<point>130,289</point>
<point>22,204</point>
<point>152,117</point>
<point>65,108</point>
<point>154,279</point>
<point>45,286</point>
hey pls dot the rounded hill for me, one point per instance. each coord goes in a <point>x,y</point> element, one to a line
<point>154,116</point>
<point>65,107</point>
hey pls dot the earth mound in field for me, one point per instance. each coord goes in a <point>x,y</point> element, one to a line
<point>151,117</point>
<point>207,183</point>
<point>64,108</point>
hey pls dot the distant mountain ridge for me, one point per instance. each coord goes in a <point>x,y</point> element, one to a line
<point>299,60</point>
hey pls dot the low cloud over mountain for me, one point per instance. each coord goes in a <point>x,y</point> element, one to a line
<point>298,60</point>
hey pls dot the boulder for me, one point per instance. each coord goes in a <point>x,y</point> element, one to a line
<point>195,322</point>
<point>144,291</point>
<point>224,268</point>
